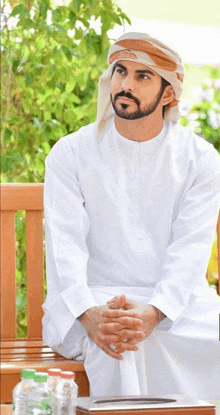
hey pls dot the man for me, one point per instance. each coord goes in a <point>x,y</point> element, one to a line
<point>131,205</point>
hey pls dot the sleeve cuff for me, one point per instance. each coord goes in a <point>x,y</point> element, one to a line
<point>78,299</point>
<point>166,308</point>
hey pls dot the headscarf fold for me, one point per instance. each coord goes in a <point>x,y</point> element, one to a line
<point>142,48</point>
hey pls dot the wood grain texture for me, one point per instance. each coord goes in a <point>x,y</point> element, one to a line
<point>161,411</point>
<point>6,409</point>
<point>8,284</point>
<point>22,196</point>
<point>35,272</point>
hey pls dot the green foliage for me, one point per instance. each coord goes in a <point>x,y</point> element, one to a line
<point>52,59</point>
<point>21,284</point>
<point>21,293</point>
<point>202,113</point>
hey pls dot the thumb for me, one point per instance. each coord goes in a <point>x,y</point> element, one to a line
<point>129,304</point>
<point>117,302</point>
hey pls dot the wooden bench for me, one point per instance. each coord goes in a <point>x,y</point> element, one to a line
<point>31,351</point>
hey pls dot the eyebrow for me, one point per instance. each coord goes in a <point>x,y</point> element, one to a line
<point>137,71</point>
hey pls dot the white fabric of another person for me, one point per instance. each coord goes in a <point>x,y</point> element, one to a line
<point>136,218</point>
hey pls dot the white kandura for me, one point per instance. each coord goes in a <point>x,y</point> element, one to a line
<point>139,219</point>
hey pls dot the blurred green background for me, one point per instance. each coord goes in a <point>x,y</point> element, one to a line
<point>52,55</point>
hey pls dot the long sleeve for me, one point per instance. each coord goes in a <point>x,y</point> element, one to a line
<point>185,263</point>
<point>66,228</point>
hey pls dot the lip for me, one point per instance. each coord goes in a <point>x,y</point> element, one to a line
<point>126,100</point>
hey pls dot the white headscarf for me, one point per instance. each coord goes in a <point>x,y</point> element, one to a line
<point>142,48</point>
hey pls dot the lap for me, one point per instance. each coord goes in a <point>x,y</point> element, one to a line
<point>183,359</point>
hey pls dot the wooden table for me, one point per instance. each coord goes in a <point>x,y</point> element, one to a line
<point>209,410</point>
<point>6,409</point>
<point>144,405</point>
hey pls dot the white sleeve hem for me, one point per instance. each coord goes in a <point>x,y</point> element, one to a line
<point>166,308</point>
<point>78,299</point>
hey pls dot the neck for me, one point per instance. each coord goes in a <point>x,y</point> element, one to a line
<point>142,129</point>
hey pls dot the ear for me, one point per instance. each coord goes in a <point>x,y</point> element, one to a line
<point>168,95</point>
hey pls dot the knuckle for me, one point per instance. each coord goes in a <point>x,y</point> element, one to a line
<point>100,336</point>
<point>113,338</point>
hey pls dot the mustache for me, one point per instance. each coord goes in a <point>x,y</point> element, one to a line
<point>126,95</point>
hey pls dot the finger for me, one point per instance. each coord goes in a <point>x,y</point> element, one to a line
<point>117,302</point>
<point>113,300</point>
<point>131,334</point>
<point>147,332</point>
<point>132,322</point>
<point>117,329</point>
<point>110,338</point>
<point>119,313</point>
<point>135,341</point>
<point>124,333</point>
<point>110,327</point>
<point>123,347</point>
<point>129,305</point>
<point>109,351</point>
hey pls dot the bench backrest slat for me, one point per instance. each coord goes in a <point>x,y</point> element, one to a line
<point>27,197</point>
<point>22,196</point>
<point>8,284</point>
<point>35,272</point>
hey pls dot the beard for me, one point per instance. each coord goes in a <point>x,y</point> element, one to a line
<point>138,113</point>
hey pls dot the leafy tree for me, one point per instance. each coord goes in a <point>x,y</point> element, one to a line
<point>52,58</point>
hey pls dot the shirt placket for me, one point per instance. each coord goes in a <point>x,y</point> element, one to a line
<point>136,194</point>
<point>140,230</point>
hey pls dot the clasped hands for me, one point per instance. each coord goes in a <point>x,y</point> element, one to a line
<point>119,325</point>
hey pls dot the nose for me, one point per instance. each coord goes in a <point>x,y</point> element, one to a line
<point>128,83</point>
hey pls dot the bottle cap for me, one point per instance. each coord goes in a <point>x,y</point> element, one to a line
<point>67,375</point>
<point>40,377</point>
<point>54,372</point>
<point>27,373</point>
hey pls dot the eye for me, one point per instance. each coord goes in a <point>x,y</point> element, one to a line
<point>120,71</point>
<point>143,76</point>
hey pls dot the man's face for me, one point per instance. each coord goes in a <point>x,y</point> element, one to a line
<point>135,90</point>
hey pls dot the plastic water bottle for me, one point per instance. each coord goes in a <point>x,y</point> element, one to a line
<point>66,394</point>
<point>20,391</point>
<point>39,398</point>
<point>53,378</point>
